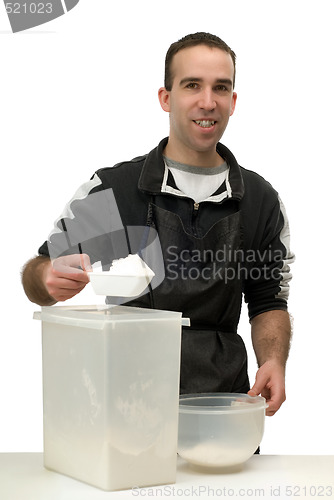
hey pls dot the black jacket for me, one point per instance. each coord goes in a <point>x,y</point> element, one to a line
<point>266,255</point>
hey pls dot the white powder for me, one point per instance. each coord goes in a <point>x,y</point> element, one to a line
<point>210,454</point>
<point>96,461</point>
<point>132,265</point>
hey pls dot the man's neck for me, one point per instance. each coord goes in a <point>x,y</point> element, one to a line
<point>190,157</point>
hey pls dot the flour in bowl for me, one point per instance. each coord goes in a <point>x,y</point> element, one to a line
<point>210,454</point>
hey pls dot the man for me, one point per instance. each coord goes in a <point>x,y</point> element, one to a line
<point>222,229</point>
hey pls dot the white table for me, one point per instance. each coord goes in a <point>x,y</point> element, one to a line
<point>23,477</point>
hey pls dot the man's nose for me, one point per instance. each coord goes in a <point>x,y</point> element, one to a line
<point>207,100</point>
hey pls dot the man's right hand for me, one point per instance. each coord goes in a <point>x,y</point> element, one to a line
<point>66,276</point>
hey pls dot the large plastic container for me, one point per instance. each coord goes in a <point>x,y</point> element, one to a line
<point>111,394</point>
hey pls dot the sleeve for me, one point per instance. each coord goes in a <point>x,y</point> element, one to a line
<point>267,268</point>
<point>90,223</point>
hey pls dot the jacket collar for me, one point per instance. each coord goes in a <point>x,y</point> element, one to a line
<point>153,170</point>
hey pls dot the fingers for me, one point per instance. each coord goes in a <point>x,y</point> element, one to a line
<point>72,264</point>
<point>61,288</point>
<point>270,383</point>
<point>85,262</point>
<point>273,404</point>
<point>275,399</point>
<point>261,381</point>
<point>67,276</point>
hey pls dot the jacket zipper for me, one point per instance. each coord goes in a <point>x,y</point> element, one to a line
<point>194,217</point>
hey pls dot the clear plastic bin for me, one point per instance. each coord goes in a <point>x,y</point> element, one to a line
<point>111,394</point>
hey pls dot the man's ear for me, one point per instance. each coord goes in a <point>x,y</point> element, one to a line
<point>164,99</point>
<point>234,101</point>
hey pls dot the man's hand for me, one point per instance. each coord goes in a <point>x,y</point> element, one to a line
<point>270,383</point>
<point>66,276</point>
<point>271,335</point>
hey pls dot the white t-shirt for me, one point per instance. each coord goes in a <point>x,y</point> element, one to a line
<point>198,183</point>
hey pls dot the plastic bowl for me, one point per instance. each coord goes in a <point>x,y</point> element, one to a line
<point>220,430</point>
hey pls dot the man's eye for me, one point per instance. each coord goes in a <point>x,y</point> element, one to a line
<point>222,88</point>
<point>192,85</point>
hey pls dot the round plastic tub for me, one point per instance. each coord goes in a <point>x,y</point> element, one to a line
<point>220,430</point>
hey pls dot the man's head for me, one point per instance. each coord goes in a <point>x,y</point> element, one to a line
<point>199,98</point>
<point>192,40</point>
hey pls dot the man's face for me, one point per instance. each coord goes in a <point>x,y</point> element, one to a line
<point>201,99</point>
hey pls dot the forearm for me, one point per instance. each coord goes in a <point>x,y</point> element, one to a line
<point>271,337</point>
<point>33,281</point>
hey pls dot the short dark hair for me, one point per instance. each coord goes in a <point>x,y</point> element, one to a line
<point>199,38</point>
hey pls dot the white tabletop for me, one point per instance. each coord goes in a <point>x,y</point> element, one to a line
<point>23,477</point>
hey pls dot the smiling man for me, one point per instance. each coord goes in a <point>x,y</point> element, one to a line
<point>200,101</point>
<point>222,229</point>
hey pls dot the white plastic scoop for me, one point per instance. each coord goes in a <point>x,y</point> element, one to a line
<point>127,277</point>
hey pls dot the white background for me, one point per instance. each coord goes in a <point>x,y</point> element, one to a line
<point>80,93</point>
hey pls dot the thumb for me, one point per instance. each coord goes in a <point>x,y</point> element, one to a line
<point>85,262</point>
<point>261,380</point>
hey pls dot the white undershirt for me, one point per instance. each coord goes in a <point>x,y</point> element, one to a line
<point>198,183</point>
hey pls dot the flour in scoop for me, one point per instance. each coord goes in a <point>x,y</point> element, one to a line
<point>132,265</point>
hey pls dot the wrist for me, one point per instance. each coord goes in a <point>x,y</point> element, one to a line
<point>274,363</point>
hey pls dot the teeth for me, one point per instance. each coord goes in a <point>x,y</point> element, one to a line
<point>205,123</point>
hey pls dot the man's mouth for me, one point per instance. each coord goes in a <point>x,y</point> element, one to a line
<point>205,123</point>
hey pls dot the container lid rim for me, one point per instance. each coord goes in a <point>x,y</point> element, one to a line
<point>240,402</point>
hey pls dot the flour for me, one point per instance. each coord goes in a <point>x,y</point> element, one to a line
<point>211,454</point>
<point>108,464</point>
<point>132,265</point>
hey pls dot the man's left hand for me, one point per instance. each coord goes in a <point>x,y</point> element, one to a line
<point>270,383</point>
